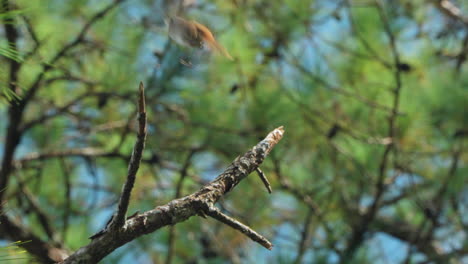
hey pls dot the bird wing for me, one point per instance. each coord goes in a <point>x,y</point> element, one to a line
<point>208,37</point>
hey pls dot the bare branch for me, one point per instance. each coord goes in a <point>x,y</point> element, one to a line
<point>180,209</point>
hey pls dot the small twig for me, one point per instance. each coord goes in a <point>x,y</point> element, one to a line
<point>302,246</point>
<point>142,108</point>
<point>216,214</point>
<point>42,216</point>
<point>135,160</point>
<point>68,202</point>
<point>33,35</point>
<point>170,242</point>
<point>264,179</point>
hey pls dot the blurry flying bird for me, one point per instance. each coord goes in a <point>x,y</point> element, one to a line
<point>193,34</point>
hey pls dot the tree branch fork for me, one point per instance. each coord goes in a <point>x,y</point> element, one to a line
<point>120,231</point>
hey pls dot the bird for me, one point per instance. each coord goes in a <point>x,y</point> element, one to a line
<point>192,34</point>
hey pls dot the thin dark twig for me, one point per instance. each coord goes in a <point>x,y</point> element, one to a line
<point>33,36</point>
<point>68,204</point>
<point>42,216</point>
<point>264,179</point>
<point>170,246</point>
<point>358,234</point>
<point>59,110</point>
<point>396,100</point>
<point>172,231</point>
<point>135,160</point>
<point>304,236</point>
<point>363,40</point>
<point>306,198</point>
<point>216,214</point>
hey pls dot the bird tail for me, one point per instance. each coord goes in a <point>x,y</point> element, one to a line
<point>209,38</point>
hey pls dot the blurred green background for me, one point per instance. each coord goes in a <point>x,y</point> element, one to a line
<point>372,94</point>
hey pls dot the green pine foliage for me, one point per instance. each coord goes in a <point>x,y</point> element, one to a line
<point>324,70</point>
